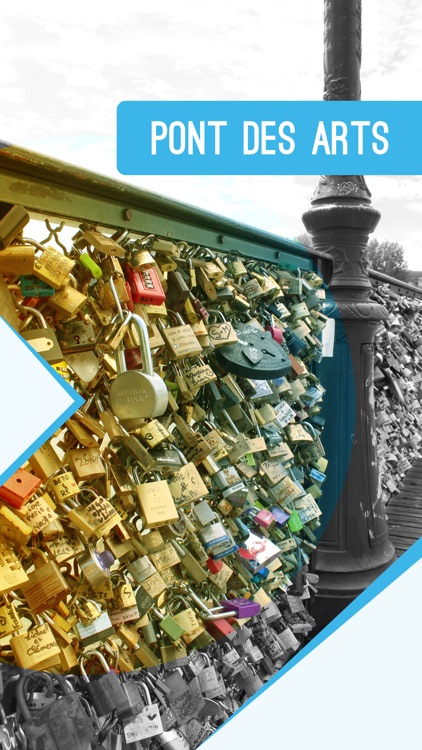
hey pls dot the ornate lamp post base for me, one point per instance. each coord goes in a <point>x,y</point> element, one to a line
<point>355,547</point>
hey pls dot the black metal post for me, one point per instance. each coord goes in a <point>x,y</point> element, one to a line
<point>355,547</point>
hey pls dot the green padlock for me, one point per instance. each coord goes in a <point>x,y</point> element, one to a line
<point>90,265</point>
<point>169,625</point>
<point>294,523</point>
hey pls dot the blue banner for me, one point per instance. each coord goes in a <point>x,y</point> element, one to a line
<point>234,138</point>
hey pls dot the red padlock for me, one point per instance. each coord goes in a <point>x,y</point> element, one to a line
<point>19,488</point>
<point>29,302</point>
<point>146,286</point>
<point>129,302</point>
<point>133,358</point>
<point>219,629</point>
<point>214,566</point>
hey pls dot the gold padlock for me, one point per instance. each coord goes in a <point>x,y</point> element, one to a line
<point>181,340</point>
<point>63,486</point>
<point>156,503</point>
<point>86,463</point>
<point>12,573</point>
<point>17,259</point>
<point>45,461</point>
<point>46,585</point>
<point>186,618</point>
<point>53,267</point>
<point>68,301</point>
<point>39,513</point>
<point>13,526</point>
<point>186,485</point>
<point>37,648</point>
<point>154,433</point>
<point>220,333</point>
<point>10,620</point>
<point>197,374</point>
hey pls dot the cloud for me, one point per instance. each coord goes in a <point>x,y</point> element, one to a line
<point>64,72</point>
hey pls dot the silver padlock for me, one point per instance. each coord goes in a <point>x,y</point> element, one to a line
<point>135,394</point>
<point>173,740</point>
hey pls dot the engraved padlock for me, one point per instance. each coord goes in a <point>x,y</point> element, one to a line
<point>135,394</point>
<point>37,648</point>
<point>186,617</point>
<point>62,723</point>
<point>211,683</point>
<point>180,339</point>
<point>196,374</point>
<point>46,586</point>
<point>155,501</point>
<point>105,693</point>
<point>123,607</point>
<point>147,722</point>
<point>186,484</point>
<point>222,332</point>
<point>52,266</point>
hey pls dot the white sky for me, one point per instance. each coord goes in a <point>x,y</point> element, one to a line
<point>66,66</point>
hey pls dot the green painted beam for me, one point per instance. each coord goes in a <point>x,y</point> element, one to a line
<point>57,189</point>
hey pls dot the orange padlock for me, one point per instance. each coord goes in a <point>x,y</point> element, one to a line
<point>19,488</point>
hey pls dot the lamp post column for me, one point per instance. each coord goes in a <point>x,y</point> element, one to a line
<point>355,547</point>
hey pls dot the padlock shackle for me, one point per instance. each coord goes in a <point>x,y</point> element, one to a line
<point>21,688</point>
<point>99,656</point>
<point>146,693</point>
<point>136,473</point>
<point>311,429</point>
<point>90,490</point>
<point>112,651</point>
<point>180,452</point>
<point>40,553</point>
<point>34,311</point>
<point>147,364</point>
<point>218,315</point>
<point>228,419</point>
<point>29,241</point>
<point>143,241</point>
<point>207,658</point>
<point>118,319</point>
<point>219,615</point>
<point>177,316</point>
<point>116,299</point>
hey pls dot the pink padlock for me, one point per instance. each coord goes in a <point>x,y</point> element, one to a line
<point>264,518</point>
<point>276,333</point>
